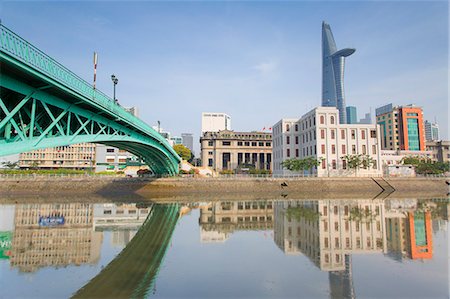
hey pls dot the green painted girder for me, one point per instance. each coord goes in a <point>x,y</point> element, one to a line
<point>133,272</point>
<point>43,104</point>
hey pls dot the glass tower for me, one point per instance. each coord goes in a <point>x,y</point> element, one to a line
<point>333,62</point>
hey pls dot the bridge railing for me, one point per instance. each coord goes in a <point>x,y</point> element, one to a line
<point>20,49</point>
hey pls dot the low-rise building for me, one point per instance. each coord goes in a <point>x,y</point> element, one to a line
<point>439,150</point>
<point>318,134</point>
<point>229,150</point>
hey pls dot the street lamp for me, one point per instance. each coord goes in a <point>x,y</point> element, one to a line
<point>115,81</point>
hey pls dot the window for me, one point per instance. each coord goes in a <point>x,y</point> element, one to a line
<point>353,149</point>
<point>296,127</point>
<point>343,149</point>
<point>324,164</point>
<point>363,134</point>
<point>210,162</point>
<point>325,211</point>
<point>306,137</point>
<point>210,153</point>
<point>239,143</point>
<point>210,143</point>
<point>296,152</point>
<point>246,143</point>
<point>374,163</point>
<point>332,120</point>
<point>326,242</point>
<point>373,133</point>
<point>333,163</point>
<point>353,134</point>
<point>296,139</point>
<point>364,149</point>
<point>226,143</point>
<point>254,143</point>
<point>333,149</point>
<point>322,134</point>
<point>110,150</point>
<point>288,140</point>
<point>323,149</point>
<point>260,143</point>
<point>374,149</point>
<point>288,153</point>
<point>344,164</point>
<point>336,226</point>
<point>322,119</point>
<point>287,128</point>
<point>342,134</point>
<point>332,134</point>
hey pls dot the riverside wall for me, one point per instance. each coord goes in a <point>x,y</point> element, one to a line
<point>232,188</point>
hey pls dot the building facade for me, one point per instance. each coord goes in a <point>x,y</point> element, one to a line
<point>215,122</point>
<point>229,150</point>
<point>76,156</point>
<point>439,150</point>
<point>402,127</point>
<point>333,62</point>
<point>431,131</point>
<point>319,134</point>
<point>113,159</point>
<point>351,115</point>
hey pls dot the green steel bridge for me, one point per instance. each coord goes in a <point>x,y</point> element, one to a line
<point>133,272</point>
<point>43,104</point>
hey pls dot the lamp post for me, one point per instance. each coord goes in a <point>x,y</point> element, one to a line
<point>115,81</point>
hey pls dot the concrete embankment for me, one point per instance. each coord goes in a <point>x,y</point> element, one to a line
<point>227,188</point>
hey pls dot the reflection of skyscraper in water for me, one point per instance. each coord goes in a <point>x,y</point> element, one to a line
<point>54,235</point>
<point>218,220</point>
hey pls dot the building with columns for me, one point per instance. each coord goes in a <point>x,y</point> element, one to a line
<point>229,150</point>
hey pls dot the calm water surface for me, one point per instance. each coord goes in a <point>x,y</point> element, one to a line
<point>368,248</point>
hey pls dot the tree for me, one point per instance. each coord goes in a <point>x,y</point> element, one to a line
<point>183,152</point>
<point>425,165</point>
<point>10,165</point>
<point>300,164</point>
<point>357,161</point>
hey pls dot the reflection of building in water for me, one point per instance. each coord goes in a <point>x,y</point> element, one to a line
<point>122,237</point>
<point>409,230</point>
<point>219,219</point>
<point>54,235</point>
<point>111,216</point>
<point>327,230</point>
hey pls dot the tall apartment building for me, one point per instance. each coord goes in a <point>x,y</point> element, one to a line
<point>229,150</point>
<point>215,122</point>
<point>402,127</point>
<point>76,156</point>
<point>319,134</point>
<point>431,131</point>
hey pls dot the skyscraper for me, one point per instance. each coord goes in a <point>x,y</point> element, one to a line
<point>351,114</point>
<point>333,62</point>
<point>431,131</point>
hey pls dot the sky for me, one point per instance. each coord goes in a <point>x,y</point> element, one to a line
<point>257,61</point>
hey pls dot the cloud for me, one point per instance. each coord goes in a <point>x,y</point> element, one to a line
<point>265,68</point>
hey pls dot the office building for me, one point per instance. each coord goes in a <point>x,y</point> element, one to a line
<point>188,141</point>
<point>76,156</point>
<point>109,158</point>
<point>318,134</point>
<point>333,62</point>
<point>431,131</point>
<point>351,115</point>
<point>215,122</point>
<point>439,150</point>
<point>366,120</point>
<point>239,151</point>
<point>402,127</point>
<point>176,140</point>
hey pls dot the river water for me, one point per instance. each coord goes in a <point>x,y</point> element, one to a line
<point>331,248</point>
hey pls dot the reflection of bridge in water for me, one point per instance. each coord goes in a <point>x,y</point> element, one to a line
<point>132,272</point>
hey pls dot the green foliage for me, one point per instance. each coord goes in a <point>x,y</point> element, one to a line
<point>300,164</point>
<point>361,215</point>
<point>358,161</point>
<point>425,165</point>
<point>259,171</point>
<point>227,171</point>
<point>299,213</point>
<point>183,152</point>
<point>10,165</point>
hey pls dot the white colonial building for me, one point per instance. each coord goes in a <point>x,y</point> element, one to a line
<point>319,134</point>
